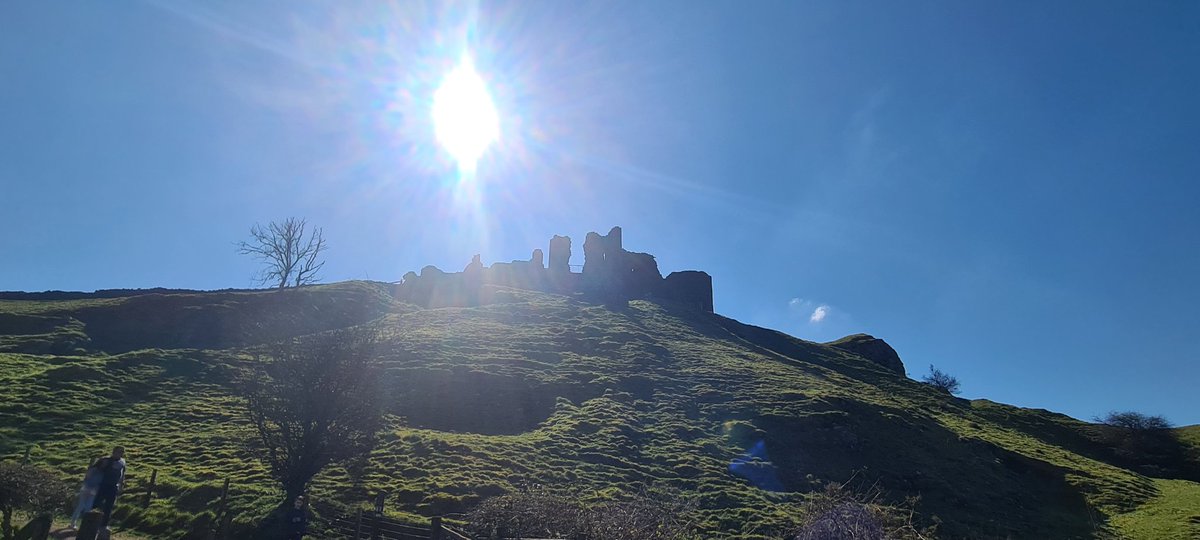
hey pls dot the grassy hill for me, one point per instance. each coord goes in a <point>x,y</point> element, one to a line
<point>598,400</point>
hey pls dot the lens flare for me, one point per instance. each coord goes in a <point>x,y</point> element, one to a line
<point>464,117</point>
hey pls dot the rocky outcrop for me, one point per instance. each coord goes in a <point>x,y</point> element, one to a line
<point>871,348</point>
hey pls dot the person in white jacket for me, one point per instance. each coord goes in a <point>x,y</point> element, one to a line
<point>87,492</point>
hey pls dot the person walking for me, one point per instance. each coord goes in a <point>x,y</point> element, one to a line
<point>87,492</point>
<point>112,479</point>
<point>297,520</point>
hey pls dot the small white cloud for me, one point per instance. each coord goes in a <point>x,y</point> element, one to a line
<point>816,312</point>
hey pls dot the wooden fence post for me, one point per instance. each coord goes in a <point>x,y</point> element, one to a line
<point>150,488</point>
<point>25,460</point>
<point>435,528</point>
<point>358,528</point>
<point>224,496</point>
<point>223,511</point>
<point>379,497</point>
<point>89,526</point>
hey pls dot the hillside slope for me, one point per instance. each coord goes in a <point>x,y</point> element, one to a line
<point>546,389</point>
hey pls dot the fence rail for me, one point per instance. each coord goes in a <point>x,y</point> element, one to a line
<point>367,525</point>
<point>370,526</point>
<point>364,525</point>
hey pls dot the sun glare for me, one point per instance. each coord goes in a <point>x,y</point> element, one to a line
<point>464,117</point>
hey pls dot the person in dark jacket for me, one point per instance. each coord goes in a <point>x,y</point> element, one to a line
<point>296,522</point>
<point>112,479</point>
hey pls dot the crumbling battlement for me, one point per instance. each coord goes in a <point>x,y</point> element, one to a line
<point>610,273</point>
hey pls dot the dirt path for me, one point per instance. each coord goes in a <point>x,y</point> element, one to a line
<point>60,531</point>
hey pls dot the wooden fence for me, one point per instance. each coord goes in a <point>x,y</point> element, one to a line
<point>371,526</point>
<point>364,525</point>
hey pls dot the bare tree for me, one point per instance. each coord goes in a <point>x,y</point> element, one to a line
<point>941,380</point>
<point>290,258</point>
<point>318,401</point>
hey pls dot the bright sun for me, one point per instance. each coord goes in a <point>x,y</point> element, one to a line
<point>464,117</point>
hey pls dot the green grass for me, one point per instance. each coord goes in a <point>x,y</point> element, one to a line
<point>598,401</point>
<point>60,529</point>
<point>1190,436</point>
<point>1174,514</point>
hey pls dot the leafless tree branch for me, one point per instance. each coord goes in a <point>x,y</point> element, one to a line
<point>288,257</point>
<point>317,401</point>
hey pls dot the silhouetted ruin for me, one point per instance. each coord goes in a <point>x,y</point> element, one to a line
<point>610,273</point>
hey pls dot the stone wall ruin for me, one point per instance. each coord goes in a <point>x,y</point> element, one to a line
<point>610,273</point>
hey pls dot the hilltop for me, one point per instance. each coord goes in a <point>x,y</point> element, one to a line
<point>556,389</point>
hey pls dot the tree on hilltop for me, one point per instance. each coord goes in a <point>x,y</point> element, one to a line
<point>289,258</point>
<point>1145,443</point>
<point>315,402</point>
<point>941,380</point>
<point>1134,421</point>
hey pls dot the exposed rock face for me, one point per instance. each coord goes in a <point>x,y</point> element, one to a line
<point>610,273</point>
<point>871,348</point>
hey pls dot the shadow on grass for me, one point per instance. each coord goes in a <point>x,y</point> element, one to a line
<point>974,488</point>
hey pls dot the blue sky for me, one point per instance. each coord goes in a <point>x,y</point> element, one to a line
<point>1005,190</point>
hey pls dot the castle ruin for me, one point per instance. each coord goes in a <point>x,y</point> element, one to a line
<point>610,273</point>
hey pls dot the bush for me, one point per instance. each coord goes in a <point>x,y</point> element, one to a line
<point>841,514</point>
<point>645,517</point>
<point>531,513</point>
<point>537,513</point>
<point>941,380</point>
<point>1134,421</point>
<point>31,489</point>
<point>1145,444</point>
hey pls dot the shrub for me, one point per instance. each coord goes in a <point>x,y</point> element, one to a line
<point>31,489</point>
<point>531,513</point>
<point>537,513</point>
<point>645,517</point>
<point>941,380</point>
<point>1134,421</point>
<point>842,514</point>
<point>1145,444</point>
